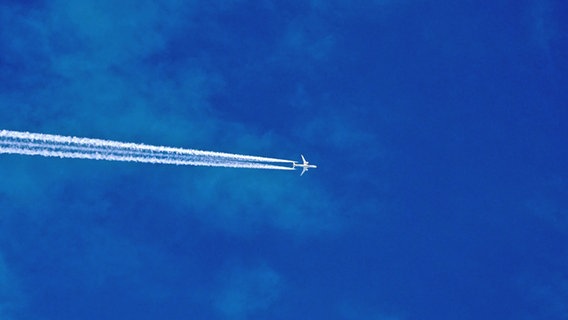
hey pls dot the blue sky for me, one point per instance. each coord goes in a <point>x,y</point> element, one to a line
<point>439,131</point>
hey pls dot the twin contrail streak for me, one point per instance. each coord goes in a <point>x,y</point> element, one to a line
<point>48,145</point>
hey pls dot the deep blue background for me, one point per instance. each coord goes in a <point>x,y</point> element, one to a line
<point>439,129</point>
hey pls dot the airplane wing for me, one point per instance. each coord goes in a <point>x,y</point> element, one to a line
<point>303,170</point>
<point>303,159</point>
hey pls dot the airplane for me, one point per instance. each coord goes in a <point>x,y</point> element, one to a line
<point>305,165</point>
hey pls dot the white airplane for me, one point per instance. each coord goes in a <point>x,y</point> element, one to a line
<point>305,165</point>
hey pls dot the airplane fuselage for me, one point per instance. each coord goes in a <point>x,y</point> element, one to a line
<point>305,165</point>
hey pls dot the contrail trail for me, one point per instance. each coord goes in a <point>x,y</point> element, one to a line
<point>48,145</point>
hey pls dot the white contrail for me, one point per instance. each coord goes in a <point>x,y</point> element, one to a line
<point>47,145</point>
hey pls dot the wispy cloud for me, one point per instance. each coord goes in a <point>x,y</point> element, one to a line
<point>250,201</point>
<point>97,82</point>
<point>120,71</point>
<point>245,292</point>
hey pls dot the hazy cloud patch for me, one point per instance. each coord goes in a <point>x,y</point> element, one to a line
<point>245,292</point>
<point>96,84</point>
<point>339,133</point>
<point>117,32</point>
<point>243,201</point>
